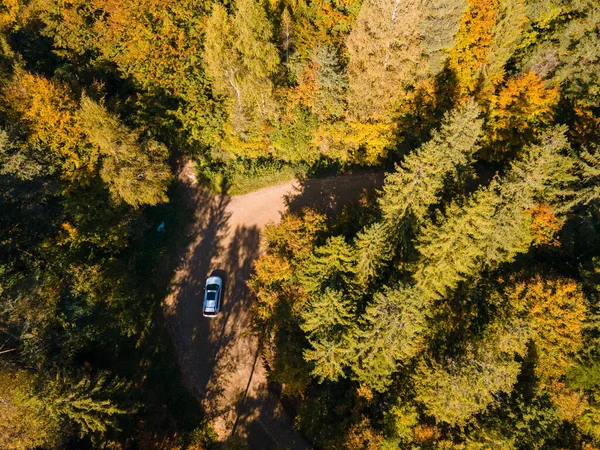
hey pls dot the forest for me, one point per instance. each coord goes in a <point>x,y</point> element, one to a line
<point>455,308</point>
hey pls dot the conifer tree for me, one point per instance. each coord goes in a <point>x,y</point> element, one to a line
<point>493,226</point>
<point>416,185</point>
<point>457,388</point>
<point>588,188</point>
<point>391,333</point>
<point>328,321</point>
<point>373,249</point>
<point>419,179</point>
<point>331,265</point>
<point>85,402</point>
<point>135,170</point>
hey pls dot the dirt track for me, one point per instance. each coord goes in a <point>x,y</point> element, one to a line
<point>219,357</point>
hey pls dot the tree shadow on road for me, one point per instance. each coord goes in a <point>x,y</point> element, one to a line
<point>329,195</point>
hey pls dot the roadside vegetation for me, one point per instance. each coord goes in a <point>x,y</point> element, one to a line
<point>455,309</point>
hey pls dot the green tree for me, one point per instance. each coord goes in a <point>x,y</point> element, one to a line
<point>457,388</point>
<point>391,332</point>
<point>330,266</point>
<point>493,225</point>
<point>85,402</point>
<point>373,250</point>
<point>328,321</point>
<point>135,169</point>
<point>419,180</point>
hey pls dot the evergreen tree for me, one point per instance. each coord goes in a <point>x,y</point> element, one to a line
<point>85,402</point>
<point>330,265</point>
<point>457,388</point>
<point>420,178</point>
<point>373,249</point>
<point>328,321</point>
<point>332,84</point>
<point>135,170</point>
<point>493,225</point>
<point>391,333</point>
<point>588,189</point>
<point>416,185</point>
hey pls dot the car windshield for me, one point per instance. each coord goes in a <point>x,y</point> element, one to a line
<point>212,287</point>
<point>211,295</point>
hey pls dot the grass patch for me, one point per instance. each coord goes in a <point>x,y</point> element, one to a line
<point>242,176</point>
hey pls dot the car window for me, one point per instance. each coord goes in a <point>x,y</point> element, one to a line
<point>212,287</point>
<point>211,295</point>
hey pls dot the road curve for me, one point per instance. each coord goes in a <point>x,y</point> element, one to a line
<point>219,357</point>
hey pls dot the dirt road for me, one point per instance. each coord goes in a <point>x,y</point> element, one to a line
<point>219,357</point>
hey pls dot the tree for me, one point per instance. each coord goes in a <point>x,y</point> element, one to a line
<point>523,107</point>
<point>384,53</point>
<point>49,113</point>
<point>473,42</point>
<point>24,424</point>
<point>330,266</point>
<point>418,181</point>
<point>332,84</point>
<point>457,388</point>
<point>557,310</point>
<point>157,44</point>
<point>373,250</point>
<point>493,226</point>
<point>438,27</point>
<point>328,321</point>
<point>135,170</point>
<point>391,332</point>
<point>588,189</point>
<point>240,59</point>
<point>85,402</point>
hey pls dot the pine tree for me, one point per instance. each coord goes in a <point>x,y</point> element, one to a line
<point>328,322</point>
<point>416,184</point>
<point>85,402</point>
<point>135,170</point>
<point>457,388</point>
<point>331,265</point>
<point>587,189</point>
<point>391,333</point>
<point>373,249</point>
<point>493,225</point>
<point>332,83</point>
<point>419,179</point>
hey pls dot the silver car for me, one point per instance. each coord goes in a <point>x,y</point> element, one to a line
<point>213,293</point>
